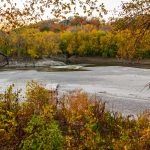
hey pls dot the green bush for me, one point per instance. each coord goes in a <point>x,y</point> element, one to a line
<point>75,122</point>
<point>42,135</point>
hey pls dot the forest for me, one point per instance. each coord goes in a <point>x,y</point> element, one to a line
<point>40,118</point>
<point>77,36</point>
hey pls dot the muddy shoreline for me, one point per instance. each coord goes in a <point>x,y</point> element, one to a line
<point>123,88</point>
<point>83,61</point>
<point>99,61</point>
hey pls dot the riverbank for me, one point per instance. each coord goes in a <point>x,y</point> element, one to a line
<point>124,88</point>
<point>86,61</point>
<point>99,61</point>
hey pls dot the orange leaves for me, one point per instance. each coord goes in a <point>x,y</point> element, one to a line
<point>76,121</point>
<point>130,45</point>
<point>14,14</point>
<point>77,102</point>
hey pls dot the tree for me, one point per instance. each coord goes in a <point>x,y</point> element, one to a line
<point>66,40</point>
<point>51,43</point>
<point>4,43</point>
<point>4,48</point>
<point>13,14</point>
<point>136,15</point>
<point>135,25</point>
<point>108,45</point>
<point>3,60</point>
<point>125,43</point>
<point>78,21</point>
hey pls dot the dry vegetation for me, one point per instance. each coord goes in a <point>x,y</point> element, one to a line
<point>73,121</point>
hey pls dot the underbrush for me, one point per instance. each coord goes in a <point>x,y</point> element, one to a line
<point>73,122</point>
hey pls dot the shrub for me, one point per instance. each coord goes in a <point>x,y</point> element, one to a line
<point>42,135</point>
<point>75,122</point>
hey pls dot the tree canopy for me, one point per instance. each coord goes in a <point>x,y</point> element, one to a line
<point>75,36</point>
<point>136,14</point>
<point>13,14</point>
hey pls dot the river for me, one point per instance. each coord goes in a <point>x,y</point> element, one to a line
<point>123,88</point>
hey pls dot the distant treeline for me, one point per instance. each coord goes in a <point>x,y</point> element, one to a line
<point>80,39</point>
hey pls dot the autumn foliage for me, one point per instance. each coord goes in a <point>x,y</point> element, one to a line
<point>85,40</point>
<point>80,36</point>
<point>75,121</point>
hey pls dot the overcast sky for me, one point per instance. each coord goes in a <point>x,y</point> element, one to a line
<point>111,5</point>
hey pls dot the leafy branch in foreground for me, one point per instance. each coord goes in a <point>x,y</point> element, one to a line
<point>136,16</point>
<point>14,14</point>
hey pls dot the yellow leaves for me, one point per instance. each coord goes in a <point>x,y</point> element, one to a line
<point>34,43</point>
<point>50,43</point>
<point>32,53</point>
<point>2,131</point>
<point>33,10</point>
<point>125,147</point>
<point>84,40</point>
<point>89,28</point>
<point>84,122</point>
<point>66,35</point>
<point>48,111</point>
<point>145,134</point>
<point>10,113</point>
<point>68,140</point>
<point>125,42</point>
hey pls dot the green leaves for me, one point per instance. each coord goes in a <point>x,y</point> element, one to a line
<point>77,122</point>
<point>42,134</point>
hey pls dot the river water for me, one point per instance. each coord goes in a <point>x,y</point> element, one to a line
<point>123,88</point>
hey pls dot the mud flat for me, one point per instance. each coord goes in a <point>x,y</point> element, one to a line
<point>123,88</point>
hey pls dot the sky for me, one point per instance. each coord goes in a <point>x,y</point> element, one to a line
<point>111,5</point>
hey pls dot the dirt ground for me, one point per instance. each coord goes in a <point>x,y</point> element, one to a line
<point>145,63</point>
